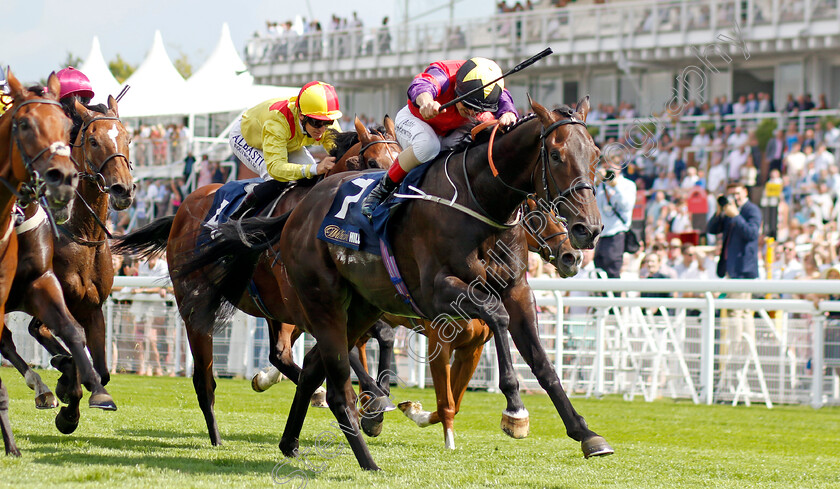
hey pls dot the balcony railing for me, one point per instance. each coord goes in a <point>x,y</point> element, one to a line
<point>623,20</point>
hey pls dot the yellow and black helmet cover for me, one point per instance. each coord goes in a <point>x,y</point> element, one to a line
<point>475,73</point>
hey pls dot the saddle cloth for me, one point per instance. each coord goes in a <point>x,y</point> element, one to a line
<point>345,225</point>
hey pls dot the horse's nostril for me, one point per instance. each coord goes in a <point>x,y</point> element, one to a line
<point>568,259</point>
<point>118,190</point>
<point>581,231</point>
<point>54,177</point>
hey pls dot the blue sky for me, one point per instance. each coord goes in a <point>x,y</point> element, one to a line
<point>36,35</point>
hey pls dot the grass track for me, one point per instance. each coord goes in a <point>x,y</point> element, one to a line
<point>157,438</point>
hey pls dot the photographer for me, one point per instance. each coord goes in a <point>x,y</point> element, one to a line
<point>740,221</point>
<point>616,197</point>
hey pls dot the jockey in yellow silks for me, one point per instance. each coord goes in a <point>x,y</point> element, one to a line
<point>271,139</point>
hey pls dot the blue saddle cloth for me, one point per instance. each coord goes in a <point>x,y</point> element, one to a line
<point>346,226</point>
<point>227,199</point>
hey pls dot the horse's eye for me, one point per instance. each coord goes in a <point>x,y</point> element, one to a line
<point>23,124</point>
<point>93,142</point>
<point>372,163</point>
<point>555,155</point>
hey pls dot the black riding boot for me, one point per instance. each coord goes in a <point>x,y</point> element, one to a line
<point>383,189</point>
<point>261,195</point>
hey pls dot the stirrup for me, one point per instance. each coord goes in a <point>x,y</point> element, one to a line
<point>382,191</point>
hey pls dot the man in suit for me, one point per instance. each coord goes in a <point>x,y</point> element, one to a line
<point>739,220</point>
<point>775,151</point>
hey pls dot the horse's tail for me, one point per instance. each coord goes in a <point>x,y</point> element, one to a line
<point>219,272</point>
<point>149,240</point>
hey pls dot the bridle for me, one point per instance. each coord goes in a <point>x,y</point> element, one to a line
<point>543,240</point>
<point>95,175</point>
<point>543,161</point>
<point>32,189</point>
<point>367,146</point>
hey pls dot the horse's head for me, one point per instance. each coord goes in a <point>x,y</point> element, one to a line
<point>378,149</point>
<point>547,235</point>
<point>39,131</point>
<point>569,157</point>
<point>102,149</point>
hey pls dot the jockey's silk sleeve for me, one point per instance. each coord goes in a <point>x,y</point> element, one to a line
<point>276,136</point>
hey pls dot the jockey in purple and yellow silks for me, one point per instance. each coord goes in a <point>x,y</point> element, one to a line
<point>421,126</point>
<point>271,139</point>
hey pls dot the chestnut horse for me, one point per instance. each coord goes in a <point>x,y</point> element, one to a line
<point>179,236</point>
<point>445,254</point>
<point>34,157</point>
<point>76,268</point>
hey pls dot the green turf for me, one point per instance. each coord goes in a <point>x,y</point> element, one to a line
<point>157,438</point>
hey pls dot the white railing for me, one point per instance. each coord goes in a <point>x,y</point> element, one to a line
<point>616,342</point>
<point>573,24</point>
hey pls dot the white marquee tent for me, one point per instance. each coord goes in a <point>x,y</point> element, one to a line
<point>96,69</point>
<point>157,88</point>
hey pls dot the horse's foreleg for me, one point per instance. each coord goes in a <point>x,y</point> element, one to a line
<point>453,296</point>
<point>374,403</point>
<point>384,335</point>
<point>47,299</point>
<point>523,329</point>
<point>311,377</point>
<point>280,339</point>
<point>95,333</point>
<point>44,398</point>
<point>201,346</point>
<point>5,426</point>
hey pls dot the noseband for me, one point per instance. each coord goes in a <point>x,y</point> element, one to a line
<point>95,175</point>
<point>31,190</point>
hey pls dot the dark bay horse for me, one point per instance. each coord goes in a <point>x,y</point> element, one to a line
<point>545,235</point>
<point>67,279</point>
<point>34,157</point>
<point>454,264</point>
<point>179,237</point>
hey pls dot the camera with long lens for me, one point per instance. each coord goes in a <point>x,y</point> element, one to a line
<point>609,175</point>
<point>725,199</point>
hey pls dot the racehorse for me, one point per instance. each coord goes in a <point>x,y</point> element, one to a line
<point>546,236</point>
<point>76,268</point>
<point>179,236</point>
<point>34,158</point>
<point>447,257</point>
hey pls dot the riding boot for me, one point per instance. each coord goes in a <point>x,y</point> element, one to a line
<point>383,189</point>
<point>261,195</point>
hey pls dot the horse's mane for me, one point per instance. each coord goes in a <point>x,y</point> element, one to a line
<point>563,111</point>
<point>101,108</point>
<point>343,141</point>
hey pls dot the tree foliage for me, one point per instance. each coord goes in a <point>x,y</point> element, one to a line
<point>120,68</point>
<point>183,65</point>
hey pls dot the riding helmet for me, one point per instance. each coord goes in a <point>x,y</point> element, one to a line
<point>477,72</point>
<point>74,82</point>
<point>318,100</point>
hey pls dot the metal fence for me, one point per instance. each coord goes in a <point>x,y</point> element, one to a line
<point>609,341</point>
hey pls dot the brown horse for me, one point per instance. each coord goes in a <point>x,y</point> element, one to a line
<point>455,264</point>
<point>179,237</point>
<point>34,157</point>
<point>545,235</point>
<point>76,268</point>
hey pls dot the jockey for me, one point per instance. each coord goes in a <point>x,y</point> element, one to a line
<point>271,139</point>
<point>421,125</point>
<point>74,85</point>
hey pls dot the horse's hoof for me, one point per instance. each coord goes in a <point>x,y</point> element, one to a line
<point>289,448</point>
<point>596,446</point>
<point>67,420</point>
<point>516,425</point>
<point>102,400</point>
<point>376,405</point>
<point>407,406</point>
<point>319,398</point>
<point>414,411</point>
<point>256,383</point>
<point>46,401</point>
<point>372,425</point>
<point>13,451</point>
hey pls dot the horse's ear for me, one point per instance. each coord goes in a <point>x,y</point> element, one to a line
<point>542,113</point>
<point>81,110</point>
<point>361,130</point>
<point>582,107</point>
<point>353,163</point>
<point>16,89</point>
<point>112,105</point>
<point>389,127</point>
<point>53,86</point>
